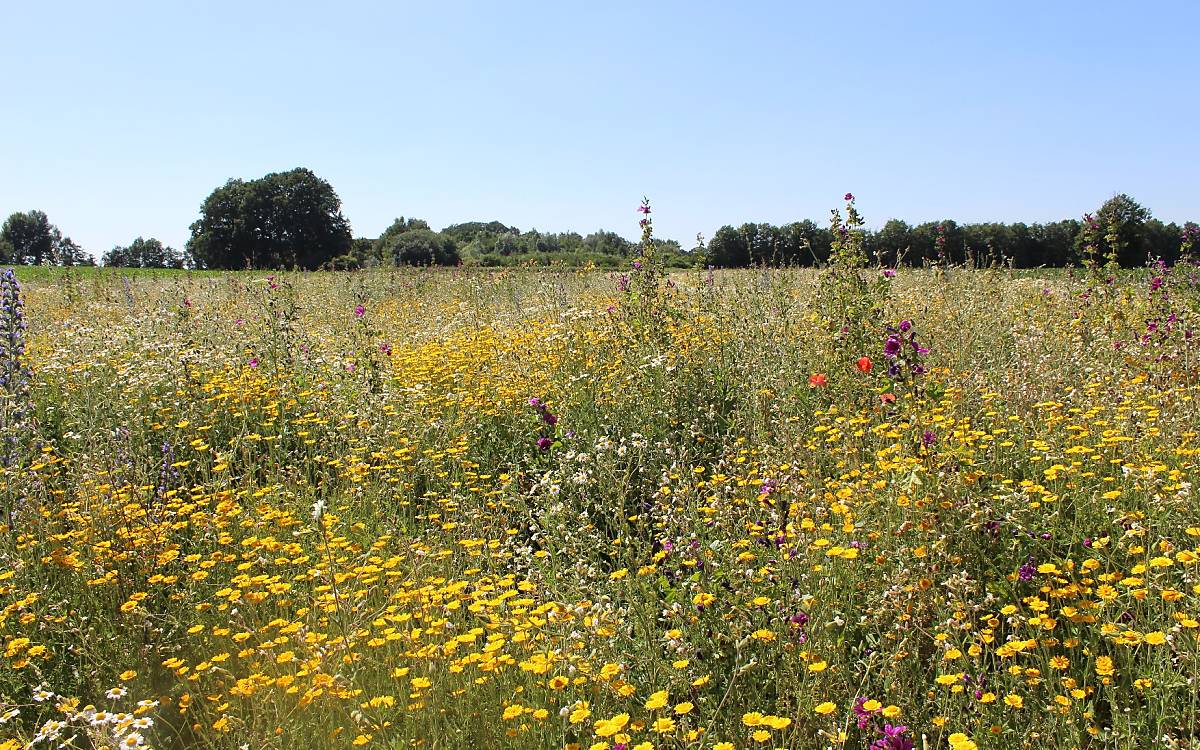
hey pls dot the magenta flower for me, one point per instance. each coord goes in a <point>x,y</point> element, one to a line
<point>544,443</point>
<point>360,311</point>
<point>848,197</point>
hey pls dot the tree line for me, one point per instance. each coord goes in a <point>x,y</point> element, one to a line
<point>1123,230</point>
<point>293,220</point>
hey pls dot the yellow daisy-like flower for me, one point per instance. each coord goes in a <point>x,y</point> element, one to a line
<point>663,725</point>
<point>683,708</point>
<point>761,735</point>
<point>752,719</point>
<point>609,727</point>
<point>826,708</point>
<point>656,700</point>
<point>1014,701</point>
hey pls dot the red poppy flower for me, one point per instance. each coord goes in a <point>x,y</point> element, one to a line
<point>817,380</point>
<point>865,365</point>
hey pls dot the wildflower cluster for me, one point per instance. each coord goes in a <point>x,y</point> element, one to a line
<point>753,535</point>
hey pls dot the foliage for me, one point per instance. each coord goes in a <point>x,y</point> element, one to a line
<point>1129,235</point>
<point>143,253</point>
<point>30,239</point>
<point>412,243</point>
<point>283,220</point>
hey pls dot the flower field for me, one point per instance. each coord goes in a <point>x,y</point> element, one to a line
<point>571,509</point>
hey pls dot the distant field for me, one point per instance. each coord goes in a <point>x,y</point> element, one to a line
<point>444,508</point>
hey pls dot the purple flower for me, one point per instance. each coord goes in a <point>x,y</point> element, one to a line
<point>892,347</point>
<point>929,438</point>
<point>848,197</point>
<point>360,311</point>
<point>889,273</point>
<point>253,362</point>
<point>905,326</point>
<point>549,418</point>
<point>1026,571</point>
<point>535,401</point>
<point>544,443</point>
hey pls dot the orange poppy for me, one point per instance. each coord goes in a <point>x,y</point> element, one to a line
<point>888,398</point>
<point>817,380</point>
<point>865,365</point>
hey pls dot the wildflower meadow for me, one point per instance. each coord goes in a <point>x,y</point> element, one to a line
<point>849,507</point>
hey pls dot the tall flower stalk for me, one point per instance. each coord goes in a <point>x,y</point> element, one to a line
<point>14,375</point>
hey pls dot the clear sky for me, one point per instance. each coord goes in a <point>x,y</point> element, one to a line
<point>119,118</point>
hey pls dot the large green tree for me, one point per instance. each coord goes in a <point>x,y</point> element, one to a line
<point>283,220</point>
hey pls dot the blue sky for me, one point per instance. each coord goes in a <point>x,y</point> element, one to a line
<point>121,117</point>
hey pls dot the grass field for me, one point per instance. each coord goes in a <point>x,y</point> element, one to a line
<point>575,509</point>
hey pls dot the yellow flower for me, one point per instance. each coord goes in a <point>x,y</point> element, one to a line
<point>683,708</point>
<point>761,735</point>
<point>752,719</point>
<point>1157,638</point>
<point>656,700</point>
<point>1014,701</point>
<point>663,725</point>
<point>777,722</point>
<point>723,746</point>
<point>960,741</point>
<point>826,708</point>
<point>872,705</point>
<point>817,666</point>
<point>580,714</point>
<point>1104,666</point>
<point>512,712</point>
<point>891,712</point>
<point>609,727</point>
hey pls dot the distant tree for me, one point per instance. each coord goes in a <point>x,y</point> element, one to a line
<point>728,249</point>
<point>68,253</point>
<point>30,239</point>
<point>1122,223</point>
<point>607,243</point>
<point>142,253</point>
<point>412,242</point>
<point>283,220</point>
<point>892,242</point>
<point>474,230</point>
<point>421,247</point>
